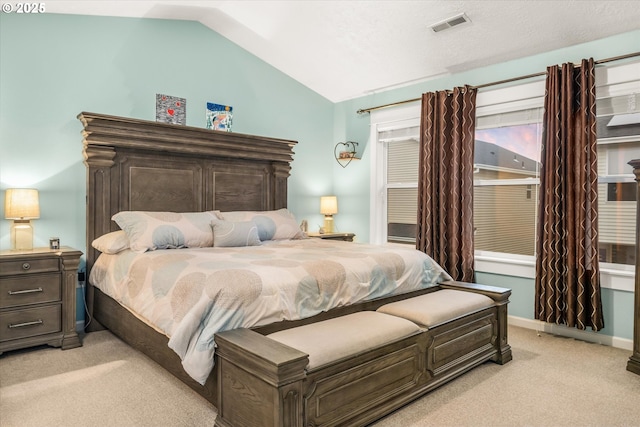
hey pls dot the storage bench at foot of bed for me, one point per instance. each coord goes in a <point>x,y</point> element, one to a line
<point>354,369</point>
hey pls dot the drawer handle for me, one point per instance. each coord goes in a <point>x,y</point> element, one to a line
<point>26,266</point>
<point>25,324</point>
<point>26,291</point>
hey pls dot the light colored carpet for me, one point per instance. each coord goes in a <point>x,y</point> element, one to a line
<point>103,383</point>
<point>552,381</point>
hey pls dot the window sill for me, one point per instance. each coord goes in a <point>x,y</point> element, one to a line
<point>619,280</point>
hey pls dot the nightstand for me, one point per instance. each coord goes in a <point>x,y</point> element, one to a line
<point>333,236</point>
<point>38,298</point>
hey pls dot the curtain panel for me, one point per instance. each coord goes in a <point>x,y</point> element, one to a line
<point>445,180</point>
<point>567,283</point>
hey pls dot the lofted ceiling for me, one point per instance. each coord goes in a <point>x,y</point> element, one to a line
<point>350,48</point>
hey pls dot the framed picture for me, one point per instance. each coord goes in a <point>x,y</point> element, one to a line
<point>171,109</point>
<point>219,117</point>
<point>54,243</point>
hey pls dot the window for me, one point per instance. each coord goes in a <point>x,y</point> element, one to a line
<point>506,180</point>
<point>621,192</point>
<point>506,183</point>
<point>506,170</point>
<point>402,183</point>
<point>618,127</point>
<point>398,142</point>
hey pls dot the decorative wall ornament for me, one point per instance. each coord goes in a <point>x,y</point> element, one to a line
<point>345,152</point>
<point>171,109</point>
<point>219,117</point>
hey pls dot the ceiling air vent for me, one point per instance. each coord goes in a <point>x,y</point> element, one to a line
<point>450,22</point>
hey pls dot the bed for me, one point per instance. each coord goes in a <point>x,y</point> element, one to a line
<point>148,167</point>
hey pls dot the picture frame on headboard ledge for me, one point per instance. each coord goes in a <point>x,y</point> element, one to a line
<point>219,117</point>
<point>171,109</point>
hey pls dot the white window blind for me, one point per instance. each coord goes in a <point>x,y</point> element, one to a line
<point>402,161</point>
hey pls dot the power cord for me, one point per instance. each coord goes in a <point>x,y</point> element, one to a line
<point>84,300</point>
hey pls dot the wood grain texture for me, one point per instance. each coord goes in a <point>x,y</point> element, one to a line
<point>351,391</point>
<point>143,165</point>
<point>140,165</point>
<point>633,364</point>
<point>38,298</point>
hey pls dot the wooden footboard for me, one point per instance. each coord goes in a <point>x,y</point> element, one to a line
<point>501,298</point>
<point>130,165</point>
<point>265,383</point>
<point>107,313</point>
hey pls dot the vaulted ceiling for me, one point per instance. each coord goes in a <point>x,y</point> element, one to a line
<point>350,48</point>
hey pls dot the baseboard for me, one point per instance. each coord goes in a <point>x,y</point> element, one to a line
<point>564,331</point>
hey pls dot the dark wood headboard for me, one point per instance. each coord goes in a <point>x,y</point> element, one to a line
<point>150,166</point>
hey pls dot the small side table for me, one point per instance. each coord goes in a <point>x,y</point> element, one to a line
<point>348,237</point>
<point>38,298</point>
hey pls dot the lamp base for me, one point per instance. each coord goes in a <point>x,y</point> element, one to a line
<point>21,235</point>
<point>328,224</point>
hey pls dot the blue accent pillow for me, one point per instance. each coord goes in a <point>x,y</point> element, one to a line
<point>272,225</point>
<point>148,231</point>
<point>234,234</point>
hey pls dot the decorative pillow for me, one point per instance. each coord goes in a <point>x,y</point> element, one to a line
<point>111,243</point>
<point>166,230</point>
<point>272,225</point>
<point>228,233</point>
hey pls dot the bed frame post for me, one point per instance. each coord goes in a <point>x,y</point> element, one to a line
<point>259,381</point>
<point>99,162</point>
<point>501,298</point>
<point>281,173</point>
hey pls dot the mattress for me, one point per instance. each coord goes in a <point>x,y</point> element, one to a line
<point>190,294</point>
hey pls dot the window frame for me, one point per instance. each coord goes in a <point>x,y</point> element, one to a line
<point>381,120</point>
<point>610,81</point>
<point>527,96</point>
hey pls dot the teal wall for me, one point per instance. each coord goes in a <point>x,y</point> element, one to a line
<point>352,183</point>
<point>53,67</point>
<point>351,126</point>
<point>617,305</point>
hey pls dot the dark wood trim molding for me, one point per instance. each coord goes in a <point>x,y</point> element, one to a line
<point>253,170</point>
<point>112,131</point>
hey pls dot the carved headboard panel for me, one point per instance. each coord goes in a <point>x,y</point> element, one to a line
<point>142,165</point>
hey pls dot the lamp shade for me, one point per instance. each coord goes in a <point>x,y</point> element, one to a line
<point>328,205</point>
<point>21,203</point>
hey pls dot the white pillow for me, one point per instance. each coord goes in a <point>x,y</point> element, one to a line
<point>272,225</point>
<point>235,234</point>
<point>111,243</point>
<point>166,230</point>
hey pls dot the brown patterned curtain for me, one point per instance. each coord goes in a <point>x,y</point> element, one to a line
<point>567,271</point>
<point>445,180</point>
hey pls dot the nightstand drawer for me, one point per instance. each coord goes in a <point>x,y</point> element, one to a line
<point>30,322</point>
<point>10,268</point>
<point>31,289</point>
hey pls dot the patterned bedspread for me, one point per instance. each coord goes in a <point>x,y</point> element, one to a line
<point>190,294</point>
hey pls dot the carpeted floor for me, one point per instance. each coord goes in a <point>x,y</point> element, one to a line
<point>552,381</point>
<point>103,383</point>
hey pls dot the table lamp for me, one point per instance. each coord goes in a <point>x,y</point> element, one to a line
<point>21,205</point>
<point>328,207</point>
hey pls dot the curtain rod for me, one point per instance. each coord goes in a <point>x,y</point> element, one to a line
<point>514,79</point>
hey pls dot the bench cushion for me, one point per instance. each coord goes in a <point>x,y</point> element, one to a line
<point>345,336</point>
<point>437,307</point>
